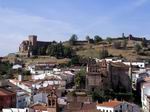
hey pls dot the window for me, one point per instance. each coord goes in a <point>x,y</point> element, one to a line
<point>53,102</point>
<point>19,101</point>
<point>121,106</point>
<point>49,102</point>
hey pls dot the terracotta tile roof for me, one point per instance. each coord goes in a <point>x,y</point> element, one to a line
<point>39,106</point>
<point>81,107</point>
<point>147,79</point>
<point>112,103</point>
<point>4,92</point>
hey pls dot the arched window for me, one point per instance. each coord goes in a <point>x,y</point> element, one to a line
<point>53,102</point>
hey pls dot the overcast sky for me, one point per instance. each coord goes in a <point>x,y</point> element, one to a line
<point>59,19</point>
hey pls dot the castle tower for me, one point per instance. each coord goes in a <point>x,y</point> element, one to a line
<point>123,36</point>
<point>33,40</point>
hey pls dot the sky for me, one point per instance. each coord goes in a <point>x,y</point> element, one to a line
<point>59,19</point>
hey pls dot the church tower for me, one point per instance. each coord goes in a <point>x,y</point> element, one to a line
<point>52,101</point>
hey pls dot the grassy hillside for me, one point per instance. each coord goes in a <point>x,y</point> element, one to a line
<point>91,50</point>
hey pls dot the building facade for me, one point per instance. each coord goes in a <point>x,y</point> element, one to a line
<point>107,75</point>
<point>7,99</point>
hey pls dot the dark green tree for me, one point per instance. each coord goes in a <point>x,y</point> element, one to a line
<point>87,38</point>
<point>137,48</point>
<point>109,40</point>
<point>60,51</point>
<point>42,50</point>
<point>97,39</point>
<point>80,79</point>
<point>144,43</point>
<point>73,39</point>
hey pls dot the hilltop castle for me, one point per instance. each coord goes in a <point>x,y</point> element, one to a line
<point>29,47</point>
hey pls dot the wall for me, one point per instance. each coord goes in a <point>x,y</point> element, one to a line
<point>7,101</point>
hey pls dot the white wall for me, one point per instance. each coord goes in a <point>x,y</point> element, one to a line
<point>40,97</point>
<point>17,110</point>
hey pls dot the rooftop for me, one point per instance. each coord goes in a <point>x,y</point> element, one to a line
<point>112,103</point>
<point>4,92</point>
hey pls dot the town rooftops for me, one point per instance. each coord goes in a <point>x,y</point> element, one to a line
<point>4,92</point>
<point>112,103</point>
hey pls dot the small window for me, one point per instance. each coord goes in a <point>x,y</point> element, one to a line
<point>121,106</point>
<point>53,102</point>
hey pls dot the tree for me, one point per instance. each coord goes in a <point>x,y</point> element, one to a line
<point>60,51</point>
<point>97,39</point>
<point>87,38</point>
<point>103,53</point>
<point>42,50</point>
<point>75,60</point>
<point>73,39</point>
<point>137,48</point>
<point>109,40</point>
<point>144,43</point>
<point>98,96</point>
<point>68,52</point>
<point>80,79</point>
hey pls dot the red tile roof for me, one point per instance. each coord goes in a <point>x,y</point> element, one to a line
<point>4,92</point>
<point>112,103</point>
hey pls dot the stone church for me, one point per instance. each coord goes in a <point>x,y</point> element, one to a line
<point>108,75</point>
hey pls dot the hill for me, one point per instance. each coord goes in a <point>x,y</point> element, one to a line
<point>92,50</point>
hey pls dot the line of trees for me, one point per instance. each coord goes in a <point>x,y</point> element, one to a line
<point>74,38</point>
<point>55,49</point>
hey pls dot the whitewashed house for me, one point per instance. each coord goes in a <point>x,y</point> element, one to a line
<point>117,106</point>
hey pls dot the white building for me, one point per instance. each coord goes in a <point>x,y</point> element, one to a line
<point>17,110</point>
<point>138,64</point>
<point>117,106</point>
<point>111,106</point>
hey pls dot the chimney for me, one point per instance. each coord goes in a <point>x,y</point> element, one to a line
<point>20,78</point>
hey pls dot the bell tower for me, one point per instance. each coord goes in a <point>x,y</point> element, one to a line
<point>52,101</point>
